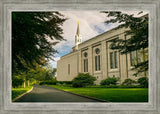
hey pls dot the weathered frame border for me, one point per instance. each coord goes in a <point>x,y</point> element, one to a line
<point>7,6</point>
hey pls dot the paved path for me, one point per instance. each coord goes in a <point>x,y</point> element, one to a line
<point>49,94</point>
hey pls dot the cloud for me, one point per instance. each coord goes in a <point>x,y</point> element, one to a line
<point>91,24</point>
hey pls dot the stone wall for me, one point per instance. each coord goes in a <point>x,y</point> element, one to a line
<point>64,73</point>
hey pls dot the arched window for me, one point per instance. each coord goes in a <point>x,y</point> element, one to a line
<point>85,54</point>
<point>97,60</point>
<point>85,62</point>
<point>132,58</point>
<point>135,57</point>
<point>113,60</point>
<point>68,68</point>
<point>97,51</point>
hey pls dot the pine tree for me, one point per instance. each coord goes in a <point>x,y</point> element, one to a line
<point>138,30</point>
<point>34,35</point>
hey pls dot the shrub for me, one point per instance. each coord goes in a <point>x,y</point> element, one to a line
<point>143,82</point>
<point>52,82</point>
<point>114,86</point>
<point>109,81</point>
<point>83,80</point>
<point>128,82</point>
<point>65,82</point>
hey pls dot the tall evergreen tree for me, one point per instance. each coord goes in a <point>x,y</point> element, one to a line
<point>33,36</point>
<point>137,29</point>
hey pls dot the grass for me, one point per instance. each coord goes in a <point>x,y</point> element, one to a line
<point>18,91</point>
<point>110,94</point>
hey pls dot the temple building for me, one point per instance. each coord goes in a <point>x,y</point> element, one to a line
<point>95,57</point>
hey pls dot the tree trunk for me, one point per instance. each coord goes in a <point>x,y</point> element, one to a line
<point>24,84</point>
<point>28,82</point>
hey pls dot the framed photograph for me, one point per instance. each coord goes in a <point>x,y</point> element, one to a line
<point>79,57</point>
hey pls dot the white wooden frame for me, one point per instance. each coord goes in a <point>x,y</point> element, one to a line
<point>6,106</point>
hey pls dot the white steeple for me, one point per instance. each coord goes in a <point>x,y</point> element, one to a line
<point>78,37</point>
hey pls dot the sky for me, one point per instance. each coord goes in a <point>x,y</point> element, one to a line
<point>91,24</point>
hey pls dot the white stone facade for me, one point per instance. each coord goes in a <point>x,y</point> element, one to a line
<point>96,58</point>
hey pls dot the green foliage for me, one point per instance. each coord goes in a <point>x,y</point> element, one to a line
<point>143,82</point>
<point>128,82</point>
<point>54,70</point>
<point>114,86</point>
<point>41,73</point>
<point>17,80</point>
<point>34,35</point>
<point>48,76</point>
<point>52,82</point>
<point>138,30</point>
<point>50,73</point>
<point>83,80</point>
<point>34,76</point>
<point>109,81</point>
<point>65,82</point>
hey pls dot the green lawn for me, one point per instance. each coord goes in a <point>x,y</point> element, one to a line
<point>18,91</point>
<point>111,94</point>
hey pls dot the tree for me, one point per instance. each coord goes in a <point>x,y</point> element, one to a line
<point>17,80</point>
<point>33,36</point>
<point>138,30</point>
<point>49,72</point>
<point>143,81</point>
<point>53,72</point>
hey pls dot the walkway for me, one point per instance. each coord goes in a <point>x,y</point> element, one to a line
<point>48,94</point>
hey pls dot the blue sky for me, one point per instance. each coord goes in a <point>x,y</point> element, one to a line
<point>91,24</point>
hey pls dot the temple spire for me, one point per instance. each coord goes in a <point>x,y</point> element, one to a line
<point>78,31</point>
<point>78,38</point>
